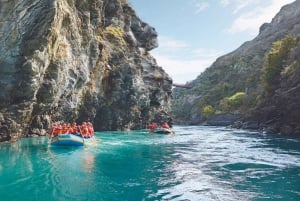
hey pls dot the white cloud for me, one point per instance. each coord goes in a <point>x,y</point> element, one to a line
<point>206,53</point>
<point>181,61</point>
<point>251,20</point>
<point>171,43</point>
<point>242,4</point>
<point>182,70</point>
<point>238,5</point>
<point>200,6</point>
<point>225,2</point>
<point>175,47</point>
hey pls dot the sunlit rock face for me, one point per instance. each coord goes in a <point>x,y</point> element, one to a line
<point>78,60</point>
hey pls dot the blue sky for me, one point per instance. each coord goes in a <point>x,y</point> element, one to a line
<point>192,34</point>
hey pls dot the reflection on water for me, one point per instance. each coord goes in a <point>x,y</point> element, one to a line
<point>88,162</point>
<point>197,163</point>
<point>17,165</point>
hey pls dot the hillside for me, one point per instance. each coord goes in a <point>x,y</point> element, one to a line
<point>232,85</point>
<point>78,61</point>
<point>279,110</point>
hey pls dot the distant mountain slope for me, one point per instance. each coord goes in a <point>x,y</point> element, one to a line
<point>232,85</point>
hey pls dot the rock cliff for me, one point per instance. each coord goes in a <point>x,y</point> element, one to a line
<point>77,60</point>
<point>279,111</point>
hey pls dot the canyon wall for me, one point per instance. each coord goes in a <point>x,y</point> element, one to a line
<point>78,60</point>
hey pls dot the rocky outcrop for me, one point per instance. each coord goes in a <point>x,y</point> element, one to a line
<point>279,112</point>
<point>77,60</point>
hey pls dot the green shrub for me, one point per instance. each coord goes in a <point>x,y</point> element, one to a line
<point>238,98</point>
<point>275,62</point>
<point>234,102</point>
<point>207,111</point>
<point>115,34</point>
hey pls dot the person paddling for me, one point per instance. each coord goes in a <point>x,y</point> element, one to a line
<point>91,129</point>
<point>165,125</point>
<point>53,130</point>
<point>153,126</point>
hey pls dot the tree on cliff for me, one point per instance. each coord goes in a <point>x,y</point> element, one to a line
<point>277,62</point>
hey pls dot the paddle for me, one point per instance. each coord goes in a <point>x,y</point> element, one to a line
<point>81,133</point>
<point>52,131</point>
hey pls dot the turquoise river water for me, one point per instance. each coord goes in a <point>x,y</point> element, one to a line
<point>197,163</point>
